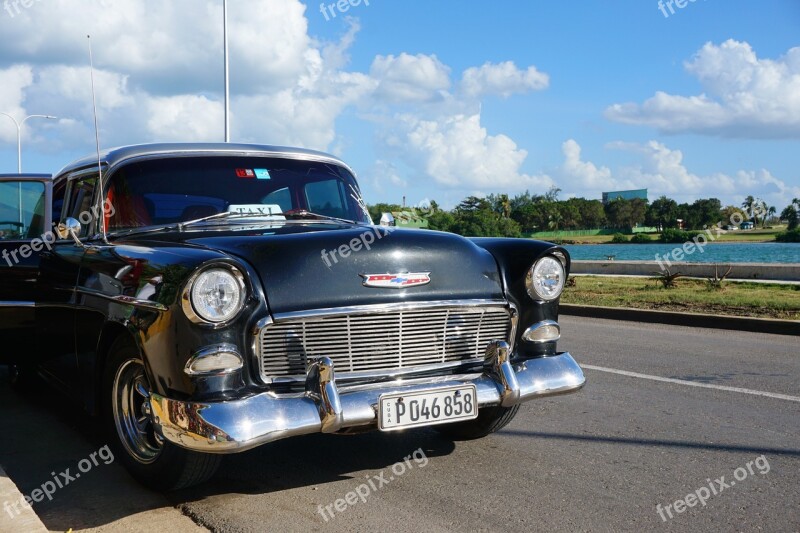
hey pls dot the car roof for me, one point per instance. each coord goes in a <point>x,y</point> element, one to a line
<point>116,156</point>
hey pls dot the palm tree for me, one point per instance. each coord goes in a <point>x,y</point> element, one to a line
<point>505,204</point>
<point>748,205</point>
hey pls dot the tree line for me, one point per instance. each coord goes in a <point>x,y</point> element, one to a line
<point>499,215</point>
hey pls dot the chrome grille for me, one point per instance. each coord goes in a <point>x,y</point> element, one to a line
<point>380,341</point>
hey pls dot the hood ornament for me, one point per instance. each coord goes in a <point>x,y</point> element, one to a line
<point>396,281</point>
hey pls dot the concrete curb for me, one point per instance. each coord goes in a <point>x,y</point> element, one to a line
<point>757,325</point>
<point>27,519</point>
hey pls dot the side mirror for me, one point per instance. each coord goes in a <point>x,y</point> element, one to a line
<point>387,219</point>
<point>69,228</point>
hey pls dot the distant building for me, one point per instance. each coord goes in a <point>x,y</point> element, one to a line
<point>409,219</point>
<point>624,195</point>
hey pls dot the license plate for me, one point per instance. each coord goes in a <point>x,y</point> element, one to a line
<point>427,408</point>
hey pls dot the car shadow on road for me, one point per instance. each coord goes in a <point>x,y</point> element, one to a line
<point>314,460</point>
<point>49,434</point>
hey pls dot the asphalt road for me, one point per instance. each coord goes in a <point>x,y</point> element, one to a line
<point>599,460</point>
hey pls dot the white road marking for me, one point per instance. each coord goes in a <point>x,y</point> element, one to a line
<point>693,384</point>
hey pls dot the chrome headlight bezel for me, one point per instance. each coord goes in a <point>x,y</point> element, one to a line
<point>543,271</point>
<point>195,313</point>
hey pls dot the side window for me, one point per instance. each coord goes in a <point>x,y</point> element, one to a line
<point>326,198</point>
<point>281,197</point>
<point>134,210</point>
<point>59,193</point>
<point>21,209</point>
<point>81,203</point>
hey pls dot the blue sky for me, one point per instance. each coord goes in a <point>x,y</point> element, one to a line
<point>432,100</point>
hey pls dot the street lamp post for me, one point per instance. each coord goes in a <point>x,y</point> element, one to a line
<point>19,135</point>
<point>19,125</point>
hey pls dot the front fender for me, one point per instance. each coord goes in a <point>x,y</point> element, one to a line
<point>135,290</point>
<point>514,258</point>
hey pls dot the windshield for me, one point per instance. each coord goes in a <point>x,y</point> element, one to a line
<point>182,189</point>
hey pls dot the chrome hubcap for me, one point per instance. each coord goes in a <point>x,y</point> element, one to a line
<point>132,413</point>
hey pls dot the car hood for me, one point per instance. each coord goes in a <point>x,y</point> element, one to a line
<point>316,268</point>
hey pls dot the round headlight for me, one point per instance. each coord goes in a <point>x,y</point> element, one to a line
<point>545,279</point>
<point>217,294</point>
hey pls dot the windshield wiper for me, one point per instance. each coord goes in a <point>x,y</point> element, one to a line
<point>299,214</point>
<point>304,214</point>
<point>223,214</point>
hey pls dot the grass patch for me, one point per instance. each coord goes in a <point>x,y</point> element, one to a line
<point>760,300</point>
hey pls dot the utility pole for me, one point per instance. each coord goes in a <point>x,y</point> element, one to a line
<point>227,72</point>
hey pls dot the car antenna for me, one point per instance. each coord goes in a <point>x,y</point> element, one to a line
<point>97,143</point>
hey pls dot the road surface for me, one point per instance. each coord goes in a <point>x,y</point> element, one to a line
<point>678,429</point>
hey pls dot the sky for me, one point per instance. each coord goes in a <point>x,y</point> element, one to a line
<point>428,100</point>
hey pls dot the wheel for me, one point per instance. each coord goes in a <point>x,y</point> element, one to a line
<point>490,419</point>
<point>153,461</point>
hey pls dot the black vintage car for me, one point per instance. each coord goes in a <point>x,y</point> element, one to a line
<point>208,299</point>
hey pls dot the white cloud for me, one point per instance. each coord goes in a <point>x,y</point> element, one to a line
<point>15,80</point>
<point>184,118</point>
<point>175,45</point>
<point>386,177</point>
<point>502,79</point>
<point>458,152</point>
<point>663,171</point>
<point>744,96</point>
<point>159,78</point>
<point>582,175</point>
<point>406,78</point>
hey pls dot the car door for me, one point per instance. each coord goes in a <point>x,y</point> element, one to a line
<point>24,223</point>
<point>73,196</point>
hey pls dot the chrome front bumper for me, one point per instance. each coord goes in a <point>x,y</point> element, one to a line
<point>239,425</point>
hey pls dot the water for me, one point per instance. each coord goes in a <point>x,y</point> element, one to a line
<point>713,253</point>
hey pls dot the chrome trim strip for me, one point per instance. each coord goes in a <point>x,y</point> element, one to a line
<point>124,300</point>
<point>240,425</point>
<point>514,325</point>
<point>386,375</point>
<point>384,308</point>
<point>17,304</point>
<point>234,151</point>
